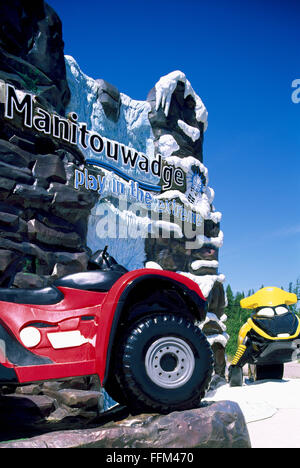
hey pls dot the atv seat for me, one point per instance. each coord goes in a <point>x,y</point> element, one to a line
<point>98,281</point>
<point>45,296</point>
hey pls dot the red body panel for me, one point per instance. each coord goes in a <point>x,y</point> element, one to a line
<point>89,314</point>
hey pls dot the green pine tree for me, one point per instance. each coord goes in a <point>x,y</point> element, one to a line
<point>236,317</point>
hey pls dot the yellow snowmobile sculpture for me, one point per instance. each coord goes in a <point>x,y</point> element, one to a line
<point>269,338</point>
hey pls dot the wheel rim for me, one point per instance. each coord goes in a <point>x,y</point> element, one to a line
<point>170,362</point>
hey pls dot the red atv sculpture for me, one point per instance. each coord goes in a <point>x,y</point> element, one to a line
<point>135,330</point>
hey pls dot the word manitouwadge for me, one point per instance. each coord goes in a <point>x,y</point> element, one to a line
<point>76,133</point>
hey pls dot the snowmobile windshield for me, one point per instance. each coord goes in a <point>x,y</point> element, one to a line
<point>278,324</point>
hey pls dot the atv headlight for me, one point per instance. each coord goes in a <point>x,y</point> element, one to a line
<point>30,336</point>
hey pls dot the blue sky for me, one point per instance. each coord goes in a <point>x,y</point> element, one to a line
<point>241,58</point>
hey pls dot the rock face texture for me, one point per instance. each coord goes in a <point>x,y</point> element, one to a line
<point>43,219</point>
<point>109,97</point>
<point>31,51</point>
<point>218,425</point>
<point>177,118</point>
<point>36,409</point>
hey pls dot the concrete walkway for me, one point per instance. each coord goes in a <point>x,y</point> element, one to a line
<point>271,408</point>
<point>280,431</point>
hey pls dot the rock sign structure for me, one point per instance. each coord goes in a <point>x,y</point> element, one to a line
<point>179,119</point>
<point>49,229</point>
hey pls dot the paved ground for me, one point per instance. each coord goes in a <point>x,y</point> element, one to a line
<point>280,431</point>
<point>283,429</point>
<point>271,408</point>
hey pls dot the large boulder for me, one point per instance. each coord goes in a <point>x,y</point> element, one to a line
<point>217,425</point>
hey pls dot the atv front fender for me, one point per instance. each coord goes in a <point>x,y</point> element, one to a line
<point>114,303</point>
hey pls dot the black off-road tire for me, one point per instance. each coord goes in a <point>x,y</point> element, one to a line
<point>164,364</point>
